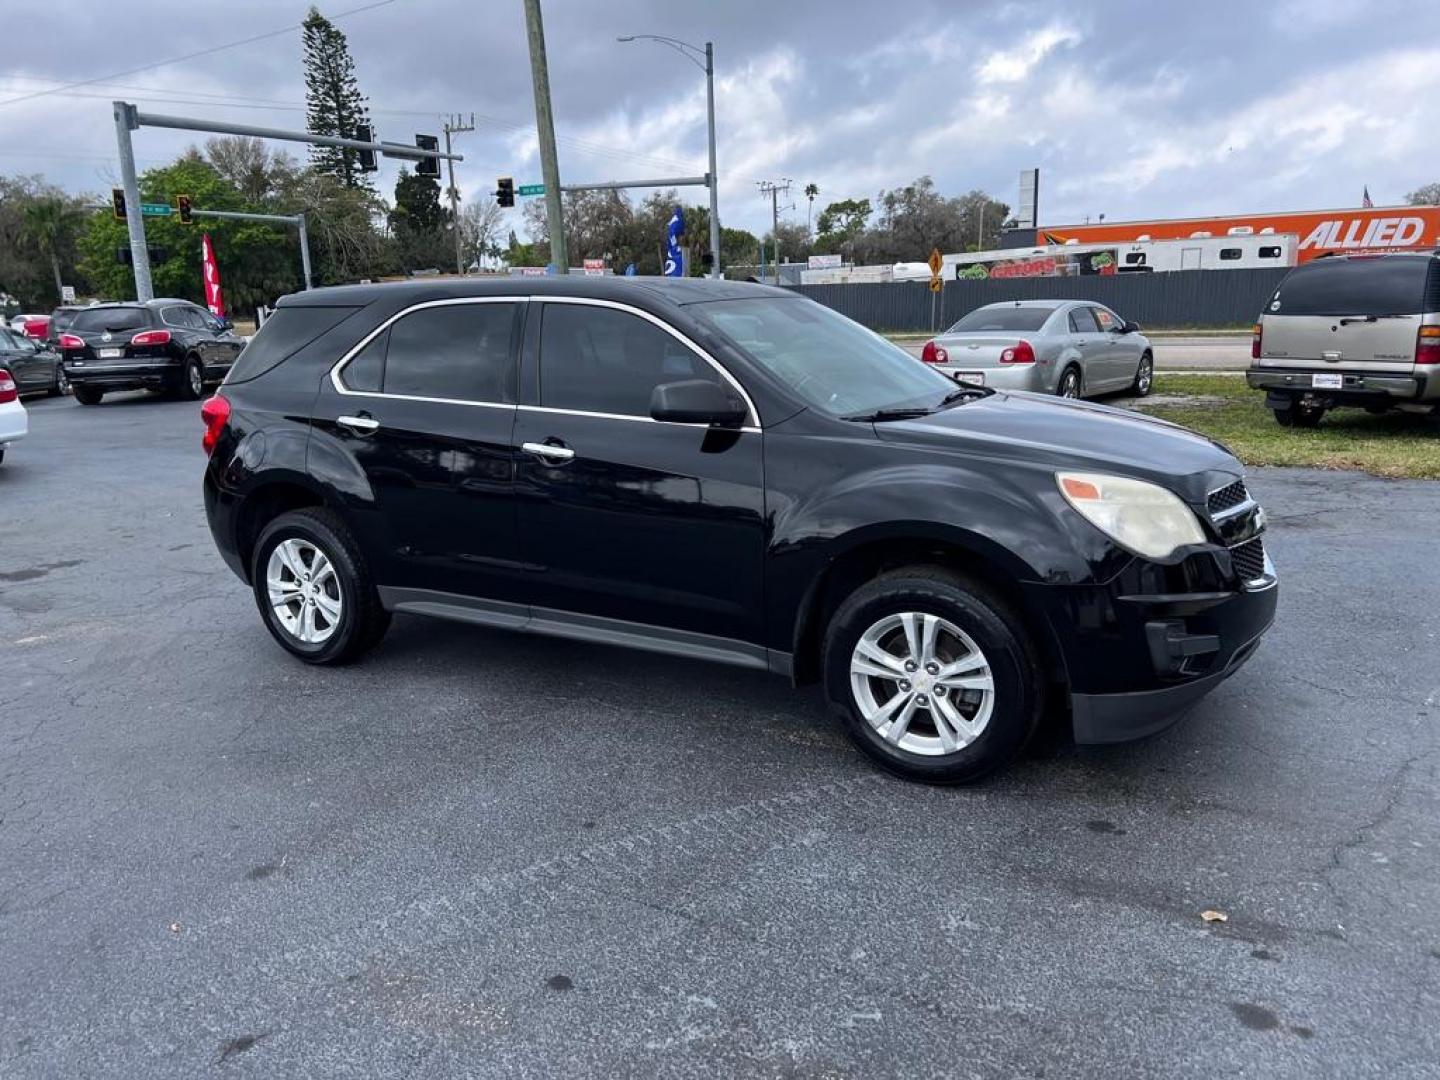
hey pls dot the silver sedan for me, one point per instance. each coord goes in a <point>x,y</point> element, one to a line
<point>1073,348</point>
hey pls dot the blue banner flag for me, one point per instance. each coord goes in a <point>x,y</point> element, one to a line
<point>674,257</point>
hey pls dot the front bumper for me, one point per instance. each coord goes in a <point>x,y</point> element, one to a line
<point>122,376</point>
<point>1358,387</point>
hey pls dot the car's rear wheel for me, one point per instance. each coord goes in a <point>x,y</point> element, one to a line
<point>933,676</point>
<point>192,380</point>
<point>86,395</point>
<point>1299,415</point>
<point>61,386</point>
<point>1070,385</point>
<point>314,589</point>
<point>1144,376</point>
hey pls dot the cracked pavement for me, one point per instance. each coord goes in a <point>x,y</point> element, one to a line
<point>476,854</point>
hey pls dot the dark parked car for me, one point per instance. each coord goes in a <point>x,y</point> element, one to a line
<point>731,472</point>
<point>61,318</point>
<point>34,365</point>
<point>169,345</point>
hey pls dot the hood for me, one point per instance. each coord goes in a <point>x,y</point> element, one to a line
<point>1079,435</point>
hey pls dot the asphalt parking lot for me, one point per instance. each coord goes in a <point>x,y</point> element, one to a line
<point>476,854</point>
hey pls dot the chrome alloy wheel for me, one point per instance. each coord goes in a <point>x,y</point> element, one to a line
<point>304,591</point>
<point>922,683</point>
<point>1146,376</point>
<point>197,380</point>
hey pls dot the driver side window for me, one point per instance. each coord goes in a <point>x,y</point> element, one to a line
<point>1107,320</point>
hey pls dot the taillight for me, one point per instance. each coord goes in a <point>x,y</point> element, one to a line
<point>70,341</point>
<point>216,414</point>
<point>151,337</point>
<point>934,354</point>
<point>1255,336</point>
<point>8,390</point>
<point>1019,353</point>
<point>1427,345</point>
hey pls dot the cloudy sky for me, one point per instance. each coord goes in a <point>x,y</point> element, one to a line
<point>1130,108</point>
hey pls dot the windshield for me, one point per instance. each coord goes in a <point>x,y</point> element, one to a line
<point>1003,317</point>
<point>122,318</point>
<point>832,363</point>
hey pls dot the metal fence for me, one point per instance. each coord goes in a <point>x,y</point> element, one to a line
<point>1177,299</point>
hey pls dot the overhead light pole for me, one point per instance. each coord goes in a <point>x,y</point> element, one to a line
<point>704,59</point>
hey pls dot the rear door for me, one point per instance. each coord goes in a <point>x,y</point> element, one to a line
<point>1357,313</point>
<point>1085,336</point>
<point>425,407</point>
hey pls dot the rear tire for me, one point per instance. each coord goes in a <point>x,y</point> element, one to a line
<point>192,380</point>
<point>913,719</point>
<point>346,619</point>
<point>1071,384</point>
<point>1144,376</point>
<point>87,396</point>
<point>61,385</point>
<point>1296,415</point>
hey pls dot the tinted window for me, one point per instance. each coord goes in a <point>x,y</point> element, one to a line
<point>1082,322</point>
<point>1272,252</point>
<point>285,333</point>
<point>1006,317</point>
<point>459,351</point>
<point>61,319</point>
<point>6,341</point>
<point>1383,286</point>
<point>597,359</point>
<point>176,316</point>
<point>1106,320</point>
<point>1135,258</point>
<point>366,370</point>
<point>122,318</point>
<point>1229,254</point>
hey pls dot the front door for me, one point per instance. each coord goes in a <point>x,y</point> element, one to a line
<point>1121,351</point>
<point>31,369</point>
<point>426,410</point>
<point>633,524</point>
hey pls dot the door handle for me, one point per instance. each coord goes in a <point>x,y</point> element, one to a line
<point>556,454</point>
<point>360,425</point>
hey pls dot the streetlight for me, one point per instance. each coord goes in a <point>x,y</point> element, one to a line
<point>694,53</point>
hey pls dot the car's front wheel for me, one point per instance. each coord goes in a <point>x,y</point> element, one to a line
<point>1144,376</point>
<point>933,675</point>
<point>314,589</point>
<point>61,386</point>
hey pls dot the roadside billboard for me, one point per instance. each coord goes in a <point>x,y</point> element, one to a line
<point>1047,264</point>
<point>1321,232</point>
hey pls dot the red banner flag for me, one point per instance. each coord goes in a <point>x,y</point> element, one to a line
<point>213,298</point>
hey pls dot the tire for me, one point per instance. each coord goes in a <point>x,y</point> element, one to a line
<point>1071,384</point>
<point>1144,376</point>
<point>361,620</point>
<point>1299,416</point>
<point>991,640</point>
<point>192,380</point>
<point>61,386</point>
<point>2,455</point>
<point>85,395</point>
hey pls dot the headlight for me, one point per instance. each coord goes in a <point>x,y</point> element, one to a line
<point>1142,517</point>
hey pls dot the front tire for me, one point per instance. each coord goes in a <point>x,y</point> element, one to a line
<point>314,589</point>
<point>1070,383</point>
<point>61,385</point>
<point>86,395</point>
<point>933,676</point>
<point>1144,376</point>
<point>192,380</point>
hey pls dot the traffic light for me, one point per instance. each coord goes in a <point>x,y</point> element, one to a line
<point>505,191</point>
<point>182,204</point>
<point>427,166</point>
<point>117,203</point>
<point>367,157</point>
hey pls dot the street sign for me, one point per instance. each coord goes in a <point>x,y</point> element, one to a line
<point>67,294</point>
<point>595,267</point>
<point>936,284</point>
<point>935,262</point>
<point>155,209</point>
<point>531,189</point>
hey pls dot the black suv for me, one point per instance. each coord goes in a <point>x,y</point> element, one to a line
<point>170,345</point>
<point>733,472</point>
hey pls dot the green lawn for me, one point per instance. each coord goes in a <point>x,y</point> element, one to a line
<point>1223,407</point>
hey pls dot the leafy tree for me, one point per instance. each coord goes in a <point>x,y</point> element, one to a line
<point>916,218</point>
<point>256,171</point>
<point>420,226</point>
<point>794,242</point>
<point>39,225</point>
<point>345,243</point>
<point>479,223</point>
<point>51,225</point>
<point>811,191</point>
<point>840,223</point>
<point>1429,195</point>
<point>333,102</point>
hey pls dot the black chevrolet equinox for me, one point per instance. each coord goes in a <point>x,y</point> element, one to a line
<point>732,472</point>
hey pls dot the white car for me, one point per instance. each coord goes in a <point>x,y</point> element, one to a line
<point>14,424</point>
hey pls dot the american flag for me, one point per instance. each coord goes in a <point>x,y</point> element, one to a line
<point>1365,200</point>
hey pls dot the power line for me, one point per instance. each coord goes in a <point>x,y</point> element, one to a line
<point>190,56</point>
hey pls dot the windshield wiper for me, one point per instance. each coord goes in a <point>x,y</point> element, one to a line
<point>966,391</point>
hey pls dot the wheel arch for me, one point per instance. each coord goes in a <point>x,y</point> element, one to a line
<point>275,493</point>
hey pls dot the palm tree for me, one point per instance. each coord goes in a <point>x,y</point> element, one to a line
<point>50,224</point>
<point>810,192</point>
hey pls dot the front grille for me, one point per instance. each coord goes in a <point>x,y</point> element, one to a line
<point>1227,496</point>
<point>1249,559</point>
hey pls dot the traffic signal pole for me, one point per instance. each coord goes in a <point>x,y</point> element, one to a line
<point>134,222</point>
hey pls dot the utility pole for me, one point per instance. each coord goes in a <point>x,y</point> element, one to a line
<point>134,222</point>
<point>712,176</point>
<point>454,126</point>
<point>545,127</point>
<point>775,188</point>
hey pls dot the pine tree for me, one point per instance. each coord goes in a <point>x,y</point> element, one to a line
<point>333,102</point>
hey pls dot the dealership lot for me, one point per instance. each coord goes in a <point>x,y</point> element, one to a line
<point>477,854</point>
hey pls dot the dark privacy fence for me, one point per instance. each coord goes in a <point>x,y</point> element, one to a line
<point>1178,298</point>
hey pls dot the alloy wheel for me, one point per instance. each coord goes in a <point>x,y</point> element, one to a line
<point>197,380</point>
<point>1070,385</point>
<point>922,683</point>
<point>1147,374</point>
<point>304,591</point>
<point>62,381</point>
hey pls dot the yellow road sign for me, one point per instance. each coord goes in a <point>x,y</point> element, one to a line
<point>936,284</point>
<point>935,262</point>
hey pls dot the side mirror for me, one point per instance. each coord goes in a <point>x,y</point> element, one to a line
<point>226,324</point>
<point>1130,328</point>
<point>697,401</point>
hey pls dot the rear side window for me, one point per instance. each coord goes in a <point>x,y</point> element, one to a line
<point>1229,254</point>
<point>461,352</point>
<point>125,318</point>
<point>596,359</point>
<point>284,334</point>
<point>1082,321</point>
<point>1135,258</point>
<point>1270,252</point>
<point>1393,285</point>
<point>1008,317</point>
